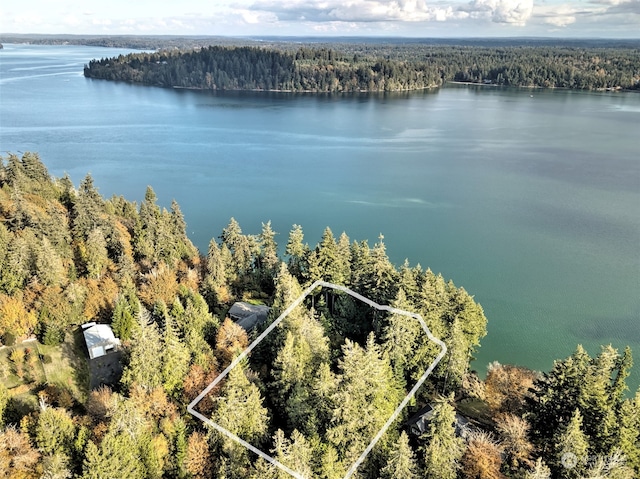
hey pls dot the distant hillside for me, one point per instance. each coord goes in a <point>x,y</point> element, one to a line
<point>375,67</point>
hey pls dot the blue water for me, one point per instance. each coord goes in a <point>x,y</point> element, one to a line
<point>529,199</point>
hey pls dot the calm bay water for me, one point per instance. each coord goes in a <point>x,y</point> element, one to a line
<point>528,199</point>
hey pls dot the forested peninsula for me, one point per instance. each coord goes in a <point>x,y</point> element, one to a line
<point>375,68</point>
<point>312,394</point>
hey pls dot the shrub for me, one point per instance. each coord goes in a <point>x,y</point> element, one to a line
<point>9,339</point>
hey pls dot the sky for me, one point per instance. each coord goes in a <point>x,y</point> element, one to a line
<point>389,18</point>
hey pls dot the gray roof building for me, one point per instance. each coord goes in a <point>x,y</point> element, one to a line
<point>247,315</point>
<point>419,422</point>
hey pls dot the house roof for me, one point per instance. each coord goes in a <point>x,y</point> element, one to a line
<point>247,315</point>
<point>98,338</point>
<point>419,422</point>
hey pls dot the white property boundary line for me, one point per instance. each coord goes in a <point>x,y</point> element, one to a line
<point>296,303</point>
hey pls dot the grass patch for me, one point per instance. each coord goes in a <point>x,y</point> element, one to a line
<point>475,409</point>
<point>68,368</point>
<point>22,373</point>
<point>27,367</point>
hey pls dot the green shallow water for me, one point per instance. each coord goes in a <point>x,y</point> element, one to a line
<point>528,199</point>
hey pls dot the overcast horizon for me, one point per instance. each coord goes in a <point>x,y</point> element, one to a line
<point>329,18</point>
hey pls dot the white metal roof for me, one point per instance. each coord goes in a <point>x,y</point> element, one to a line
<point>98,337</point>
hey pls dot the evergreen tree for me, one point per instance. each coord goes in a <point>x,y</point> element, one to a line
<point>305,348</point>
<point>34,169</point>
<point>384,273</point>
<point>175,359</point>
<point>17,264</point>
<point>124,320</point>
<point>49,267</point>
<point>408,280</point>
<point>343,258</point>
<point>556,396</point>
<point>96,255</point>
<point>117,456</point>
<point>399,337</point>
<point>296,453</point>
<point>629,432</point>
<point>179,450</point>
<point>600,403</point>
<point>328,264</point>
<point>182,247</point>
<point>401,463</point>
<point>297,251</point>
<point>240,247</point>
<point>88,209</point>
<point>366,397</point>
<point>55,431</point>
<point>572,448</point>
<point>145,359</point>
<point>268,259</point>
<point>456,363</point>
<point>240,409</point>
<point>215,280</point>
<point>621,370</point>
<point>539,471</point>
<point>443,449</point>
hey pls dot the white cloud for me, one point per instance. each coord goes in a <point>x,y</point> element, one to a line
<point>603,18</point>
<point>514,12</point>
<point>257,17</point>
<point>354,11</point>
<point>559,16</point>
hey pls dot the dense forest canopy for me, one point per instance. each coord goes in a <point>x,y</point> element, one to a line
<point>375,67</point>
<point>312,394</point>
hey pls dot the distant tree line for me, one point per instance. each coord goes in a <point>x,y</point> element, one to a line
<point>374,68</point>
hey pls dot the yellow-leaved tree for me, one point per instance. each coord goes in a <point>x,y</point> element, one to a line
<point>14,318</point>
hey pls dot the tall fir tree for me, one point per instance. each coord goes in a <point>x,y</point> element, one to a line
<point>571,448</point>
<point>297,251</point>
<point>366,397</point>
<point>442,448</point>
<point>401,463</point>
<point>145,359</point>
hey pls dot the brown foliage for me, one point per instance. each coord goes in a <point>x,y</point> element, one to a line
<point>18,459</point>
<point>473,386</point>
<point>506,388</point>
<point>54,300</point>
<point>482,459</point>
<point>100,402</point>
<point>230,341</point>
<point>188,276</point>
<point>57,396</point>
<point>152,404</point>
<point>514,432</point>
<point>196,381</point>
<point>99,432</point>
<point>123,238</point>
<point>100,298</point>
<point>198,460</point>
<point>159,284</point>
